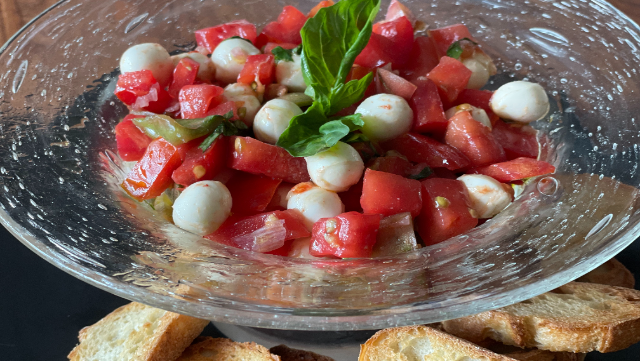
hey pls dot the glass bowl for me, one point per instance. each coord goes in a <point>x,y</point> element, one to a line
<point>60,194</point>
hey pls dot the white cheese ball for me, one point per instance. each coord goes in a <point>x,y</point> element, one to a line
<point>206,71</point>
<point>520,101</point>
<point>229,58</point>
<point>314,203</point>
<point>488,196</point>
<point>479,73</point>
<point>241,93</point>
<point>478,114</point>
<point>289,73</point>
<point>273,119</point>
<point>148,56</point>
<point>336,169</point>
<point>202,207</point>
<point>385,116</point>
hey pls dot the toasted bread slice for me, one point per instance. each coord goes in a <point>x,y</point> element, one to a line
<point>419,343</point>
<point>222,349</point>
<point>577,317</point>
<point>291,354</point>
<point>531,354</point>
<point>612,273</point>
<point>136,332</point>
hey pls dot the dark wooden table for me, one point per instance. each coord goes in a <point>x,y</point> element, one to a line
<point>42,308</point>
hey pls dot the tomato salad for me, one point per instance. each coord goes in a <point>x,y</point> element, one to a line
<point>326,134</point>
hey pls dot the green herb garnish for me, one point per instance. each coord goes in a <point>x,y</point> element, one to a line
<point>455,49</point>
<point>226,127</point>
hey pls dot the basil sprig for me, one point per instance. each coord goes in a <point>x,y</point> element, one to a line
<point>455,49</point>
<point>282,54</point>
<point>226,127</point>
<point>331,41</point>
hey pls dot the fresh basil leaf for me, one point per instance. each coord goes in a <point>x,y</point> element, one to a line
<point>333,38</point>
<point>282,54</point>
<point>424,173</point>
<point>356,138</point>
<point>455,49</point>
<point>226,127</point>
<point>297,50</point>
<point>347,94</point>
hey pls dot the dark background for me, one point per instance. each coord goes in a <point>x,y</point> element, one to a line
<point>42,308</point>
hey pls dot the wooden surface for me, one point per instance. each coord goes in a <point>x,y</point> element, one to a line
<point>15,13</point>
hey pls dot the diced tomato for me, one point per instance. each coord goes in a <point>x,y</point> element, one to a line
<point>348,235</point>
<point>132,142</point>
<point>351,198</point>
<point>444,37</point>
<point>152,174</point>
<point>474,140</point>
<point>389,194</point>
<point>140,90</point>
<point>253,156</point>
<point>479,99</point>
<point>517,140</point>
<point>185,73</point>
<point>209,38</point>
<point>271,46</point>
<point>443,173</point>
<point>279,200</point>
<point>285,30</point>
<point>400,32</point>
<point>197,100</point>
<point>258,68</point>
<point>321,4</point>
<point>251,193</point>
<point>377,52</point>
<point>262,232</point>
<point>422,60</point>
<point>397,10</point>
<point>391,164</point>
<point>519,168</point>
<point>198,165</point>
<point>390,83</point>
<point>224,108</point>
<point>421,149</point>
<point>451,77</point>
<point>446,210</point>
<point>428,111</point>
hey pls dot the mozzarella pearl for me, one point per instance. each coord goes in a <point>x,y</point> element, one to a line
<point>273,119</point>
<point>314,203</point>
<point>520,101</point>
<point>336,169</point>
<point>385,116</point>
<point>206,71</point>
<point>477,113</point>
<point>229,58</point>
<point>247,97</point>
<point>300,248</point>
<point>488,196</point>
<point>479,73</point>
<point>148,56</point>
<point>202,207</point>
<point>289,73</point>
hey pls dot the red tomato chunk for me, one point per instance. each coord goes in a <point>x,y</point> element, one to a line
<point>391,164</point>
<point>251,193</point>
<point>140,90</point>
<point>422,60</point>
<point>428,111</point>
<point>519,168</point>
<point>389,194</point>
<point>389,83</point>
<point>351,198</point>
<point>132,142</point>
<point>197,100</point>
<point>261,233</point>
<point>421,149</point>
<point>209,38</point>
<point>285,30</point>
<point>479,99</point>
<point>198,165</point>
<point>152,174</point>
<point>253,156</point>
<point>474,140</point>
<point>444,37</point>
<point>446,210</point>
<point>321,4</point>
<point>451,77</point>
<point>400,32</point>
<point>348,235</point>
<point>185,73</point>
<point>258,68</point>
<point>516,139</point>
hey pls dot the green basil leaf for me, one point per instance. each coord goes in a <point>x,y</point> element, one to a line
<point>226,128</point>
<point>347,94</point>
<point>356,138</point>
<point>424,173</point>
<point>333,38</point>
<point>297,50</point>
<point>177,131</point>
<point>455,49</point>
<point>282,54</point>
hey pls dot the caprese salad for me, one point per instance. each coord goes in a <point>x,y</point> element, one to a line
<point>326,134</point>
